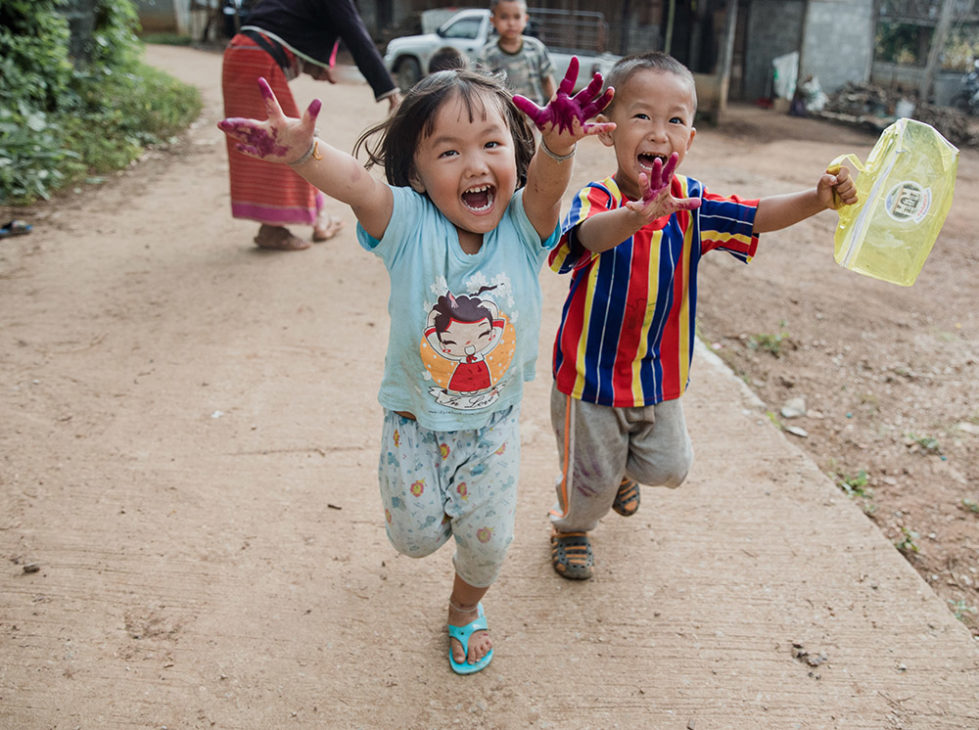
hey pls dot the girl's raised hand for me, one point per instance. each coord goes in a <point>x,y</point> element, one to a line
<point>656,199</point>
<point>566,115</point>
<point>277,139</point>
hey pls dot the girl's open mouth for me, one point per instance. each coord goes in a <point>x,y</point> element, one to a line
<point>479,199</point>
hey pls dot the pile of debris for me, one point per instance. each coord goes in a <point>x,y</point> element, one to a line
<point>877,107</point>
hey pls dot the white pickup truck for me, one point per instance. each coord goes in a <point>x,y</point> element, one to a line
<point>581,34</point>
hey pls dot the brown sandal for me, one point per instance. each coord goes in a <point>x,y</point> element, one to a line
<point>571,555</point>
<point>627,498</point>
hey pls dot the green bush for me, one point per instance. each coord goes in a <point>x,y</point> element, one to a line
<point>62,118</point>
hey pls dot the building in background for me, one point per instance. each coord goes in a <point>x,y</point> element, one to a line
<point>730,45</point>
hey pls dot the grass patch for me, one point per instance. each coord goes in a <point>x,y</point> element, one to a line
<point>167,39</point>
<point>113,119</point>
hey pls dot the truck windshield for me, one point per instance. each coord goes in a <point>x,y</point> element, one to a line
<point>467,28</point>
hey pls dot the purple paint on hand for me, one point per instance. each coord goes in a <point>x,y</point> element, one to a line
<point>564,109</point>
<point>660,176</point>
<point>265,90</point>
<point>659,179</point>
<point>254,140</point>
<point>264,140</point>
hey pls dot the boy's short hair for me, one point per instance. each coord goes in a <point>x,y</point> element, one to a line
<point>624,68</point>
<point>494,3</point>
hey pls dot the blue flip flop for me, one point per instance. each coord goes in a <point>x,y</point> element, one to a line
<point>462,634</point>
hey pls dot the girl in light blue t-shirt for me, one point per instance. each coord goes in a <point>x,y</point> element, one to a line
<point>463,223</point>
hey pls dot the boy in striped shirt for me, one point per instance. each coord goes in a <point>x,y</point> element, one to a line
<point>632,243</point>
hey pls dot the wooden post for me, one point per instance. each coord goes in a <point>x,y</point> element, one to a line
<point>935,51</point>
<point>727,53</point>
<point>668,40</point>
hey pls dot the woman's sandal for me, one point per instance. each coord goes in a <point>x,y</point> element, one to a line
<point>462,634</point>
<point>571,555</point>
<point>627,498</point>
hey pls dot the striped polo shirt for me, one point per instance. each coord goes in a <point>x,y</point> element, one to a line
<point>627,329</point>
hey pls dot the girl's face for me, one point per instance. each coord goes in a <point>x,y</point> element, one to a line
<point>466,338</point>
<point>653,112</point>
<point>467,168</point>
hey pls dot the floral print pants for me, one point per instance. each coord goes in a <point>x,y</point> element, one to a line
<point>462,484</point>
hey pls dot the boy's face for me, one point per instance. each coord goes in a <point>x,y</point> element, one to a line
<point>653,112</point>
<point>509,18</point>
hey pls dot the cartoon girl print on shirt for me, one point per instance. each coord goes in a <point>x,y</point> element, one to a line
<point>467,347</point>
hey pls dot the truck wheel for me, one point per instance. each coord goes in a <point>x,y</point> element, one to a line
<point>407,73</point>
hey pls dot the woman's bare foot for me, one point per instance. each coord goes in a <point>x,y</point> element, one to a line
<point>279,238</point>
<point>479,643</point>
<point>326,226</point>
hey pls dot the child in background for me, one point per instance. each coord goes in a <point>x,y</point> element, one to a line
<point>463,225</point>
<point>524,60</point>
<point>624,346</point>
<point>447,58</point>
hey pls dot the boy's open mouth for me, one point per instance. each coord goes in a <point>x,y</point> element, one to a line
<point>646,159</point>
<point>480,198</point>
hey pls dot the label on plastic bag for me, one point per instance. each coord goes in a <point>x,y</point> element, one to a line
<point>908,201</point>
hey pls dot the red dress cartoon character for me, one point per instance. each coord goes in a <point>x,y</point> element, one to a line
<point>468,345</point>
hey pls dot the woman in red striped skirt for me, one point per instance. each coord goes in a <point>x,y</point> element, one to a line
<point>280,40</point>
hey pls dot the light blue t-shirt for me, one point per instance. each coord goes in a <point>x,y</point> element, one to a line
<point>464,328</point>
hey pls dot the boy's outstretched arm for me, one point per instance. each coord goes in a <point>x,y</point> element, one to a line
<point>293,141</point>
<point>562,123</point>
<point>781,211</point>
<point>608,229</point>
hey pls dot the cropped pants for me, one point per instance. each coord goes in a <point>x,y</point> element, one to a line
<point>599,445</point>
<point>462,484</point>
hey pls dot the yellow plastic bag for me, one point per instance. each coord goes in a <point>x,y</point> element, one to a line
<point>905,191</point>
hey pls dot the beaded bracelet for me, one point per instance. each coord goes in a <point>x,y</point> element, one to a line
<point>557,158</point>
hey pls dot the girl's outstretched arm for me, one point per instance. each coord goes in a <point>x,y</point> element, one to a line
<point>293,141</point>
<point>562,123</point>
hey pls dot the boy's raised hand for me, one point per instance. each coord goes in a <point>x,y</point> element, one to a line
<point>836,188</point>
<point>564,120</point>
<point>656,198</point>
<point>277,139</point>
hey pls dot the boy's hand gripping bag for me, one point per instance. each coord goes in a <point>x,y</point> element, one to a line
<point>905,191</point>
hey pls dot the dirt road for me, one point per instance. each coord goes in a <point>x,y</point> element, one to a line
<point>192,536</point>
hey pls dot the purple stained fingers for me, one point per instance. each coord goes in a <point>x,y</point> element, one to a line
<point>658,180</point>
<point>562,111</point>
<point>279,137</point>
<point>659,177</point>
<point>252,138</point>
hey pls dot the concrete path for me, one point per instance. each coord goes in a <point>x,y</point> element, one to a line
<point>189,436</point>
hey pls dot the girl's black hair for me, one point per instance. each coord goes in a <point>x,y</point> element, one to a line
<point>393,142</point>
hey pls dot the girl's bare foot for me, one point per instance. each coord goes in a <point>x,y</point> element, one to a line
<point>279,238</point>
<point>326,226</point>
<point>479,643</point>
